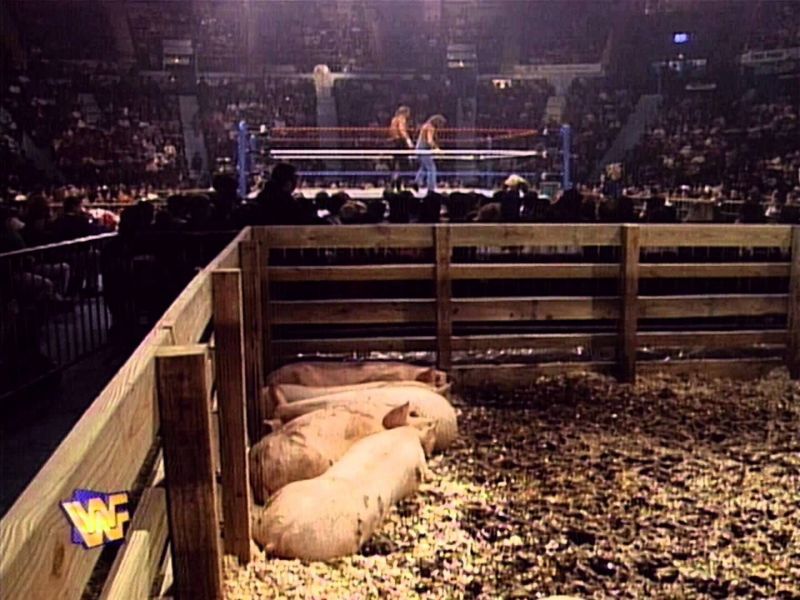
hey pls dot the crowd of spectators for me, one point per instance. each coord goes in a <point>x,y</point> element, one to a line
<point>776,25</point>
<point>574,33</point>
<point>265,104</point>
<point>67,30</point>
<point>373,102</point>
<point>18,170</point>
<point>711,138</point>
<point>340,35</point>
<point>410,38</point>
<point>219,36</point>
<point>135,138</point>
<point>514,104</point>
<point>97,123</point>
<point>596,111</point>
<point>152,22</point>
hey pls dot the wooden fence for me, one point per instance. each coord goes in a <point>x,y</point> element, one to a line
<point>177,419</point>
<point>116,445</point>
<point>620,318</point>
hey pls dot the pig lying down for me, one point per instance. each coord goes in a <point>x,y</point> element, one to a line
<point>334,374</point>
<point>333,514</point>
<point>423,403</point>
<point>310,444</point>
<point>289,392</point>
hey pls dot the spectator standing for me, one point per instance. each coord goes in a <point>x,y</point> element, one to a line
<point>74,221</point>
<point>275,204</point>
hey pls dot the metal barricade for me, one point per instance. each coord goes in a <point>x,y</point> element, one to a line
<point>62,302</point>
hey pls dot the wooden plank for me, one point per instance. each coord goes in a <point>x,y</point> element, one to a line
<point>550,341</point>
<point>711,339</point>
<point>508,235</point>
<point>534,308</point>
<point>253,313</point>
<point>104,451</point>
<point>465,271</point>
<point>533,271</point>
<point>712,305</point>
<point>703,270</point>
<point>522,375</point>
<point>534,235</point>
<point>228,332</point>
<point>352,236</point>
<point>472,343</point>
<point>138,560</point>
<point>561,341</point>
<point>444,316</point>
<point>371,272</point>
<point>464,309</point>
<point>191,486</point>
<point>353,311</point>
<point>717,235</point>
<point>265,310</point>
<point>793,309</point>
<point>628,297</point>
<point>164,590</point>
<point>359,344</point>
<point>158,471</point>
<point>741,369</point>
<point>527,308</point>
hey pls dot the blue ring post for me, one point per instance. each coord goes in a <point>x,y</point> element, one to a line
<point>566,156</point>
<point>242,156</point>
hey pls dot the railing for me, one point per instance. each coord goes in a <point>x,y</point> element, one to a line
<point>53,310</point>
<point>62,302</point>
<point>276,293</point>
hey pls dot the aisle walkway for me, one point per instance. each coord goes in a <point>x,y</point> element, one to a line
<point>44,418</point>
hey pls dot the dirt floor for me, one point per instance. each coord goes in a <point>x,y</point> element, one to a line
<point>672,488</point>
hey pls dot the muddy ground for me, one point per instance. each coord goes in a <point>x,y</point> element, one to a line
<point>670,488</point>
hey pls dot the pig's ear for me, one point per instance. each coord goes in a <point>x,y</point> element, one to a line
<point>427,435</point>
<point>397,417</point>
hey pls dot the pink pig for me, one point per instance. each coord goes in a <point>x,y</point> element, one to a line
<point>337,373</point>
<point>310,444</point>
<point>423,403</point>
<point>334,514</point>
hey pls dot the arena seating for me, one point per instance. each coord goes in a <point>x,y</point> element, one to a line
<point>706,138</point>
<point>109,130</point>
<point>272,102</point>
<point>339,35</point>
<point>521,105</point>
<point>597,112</point>
<point>776,25</point>
<point>71,30</point>
<point>577,35</point>
<point>425,97</point>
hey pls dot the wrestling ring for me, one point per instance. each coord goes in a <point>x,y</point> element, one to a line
<point>361,160</point>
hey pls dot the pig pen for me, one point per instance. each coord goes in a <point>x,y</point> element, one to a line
<point>672,487</point>
<point>528,320</point>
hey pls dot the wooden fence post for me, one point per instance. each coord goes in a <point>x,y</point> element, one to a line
<point>629,301</point>
<point>250,260</point>
<point>444,315</point>
<point>189,471</point>
<point>229,363</point>
<point>793,316</point>
<point>266,313</point>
